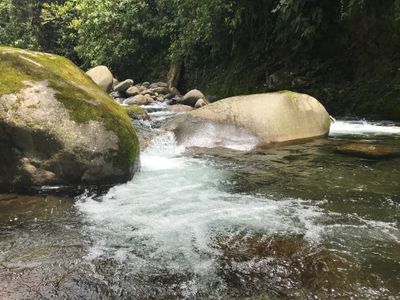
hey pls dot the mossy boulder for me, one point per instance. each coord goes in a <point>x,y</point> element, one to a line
<point>58,127</point>
<point>263,119</point>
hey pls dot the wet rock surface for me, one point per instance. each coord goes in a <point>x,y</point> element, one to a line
<point>368,150</point>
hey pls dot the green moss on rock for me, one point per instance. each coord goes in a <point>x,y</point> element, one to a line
<point>84,100</point>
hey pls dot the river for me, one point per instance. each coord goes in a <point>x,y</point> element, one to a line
<point>292,222</point>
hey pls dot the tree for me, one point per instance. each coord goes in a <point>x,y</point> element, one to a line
<point>18,23</point>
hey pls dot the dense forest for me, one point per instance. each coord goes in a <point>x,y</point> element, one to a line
<point>129,172</point>
<point>344,52</point>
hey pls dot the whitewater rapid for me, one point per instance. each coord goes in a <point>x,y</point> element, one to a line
<point>363,128</point>
<point>168,216</point>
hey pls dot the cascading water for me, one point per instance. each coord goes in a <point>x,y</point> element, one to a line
<point>297,221</point>
<point>165,220</point>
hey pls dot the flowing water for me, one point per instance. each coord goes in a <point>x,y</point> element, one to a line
<point>217,221</point>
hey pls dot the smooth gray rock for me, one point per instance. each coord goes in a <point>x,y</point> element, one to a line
<point>191,97</point>
<point>102,76</point>
<point>123,86</point>
<point>138,100</point>
<point>270,118</point>
<point>132,91</point>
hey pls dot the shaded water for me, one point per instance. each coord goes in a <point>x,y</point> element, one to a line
<point>298,221</point>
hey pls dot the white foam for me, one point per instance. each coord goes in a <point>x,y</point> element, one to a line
<point>362,128</point>
<point>174,208</point>
<point>163,154</point>
<point>212,135</point>
<point>156,106</point>
<point>169,215</point>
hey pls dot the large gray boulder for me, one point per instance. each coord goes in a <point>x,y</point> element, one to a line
<point>102,76</point>
<point>268,118</point>
<point>58,127</point>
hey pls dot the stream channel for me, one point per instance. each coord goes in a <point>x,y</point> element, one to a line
<point>212,221</point>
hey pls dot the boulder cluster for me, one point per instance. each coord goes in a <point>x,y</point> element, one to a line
<point>128,93</point>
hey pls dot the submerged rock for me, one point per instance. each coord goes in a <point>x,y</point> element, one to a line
<point>285,265</point>
<point>367,150</point>
<point>102,76</point>
<point>58,127</point>
<point>270,118</point>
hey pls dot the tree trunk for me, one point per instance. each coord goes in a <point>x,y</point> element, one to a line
<point>174,73</point>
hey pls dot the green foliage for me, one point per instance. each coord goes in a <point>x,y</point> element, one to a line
<point>245,41</point>
<point>196,24</point>
<point>57,27</point>
<point>122,35</point>
<point>141,37</point>
<point>18,27</point>
<point>297,21</point>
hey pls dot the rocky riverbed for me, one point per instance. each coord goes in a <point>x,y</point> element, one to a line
<point>299,221</point>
